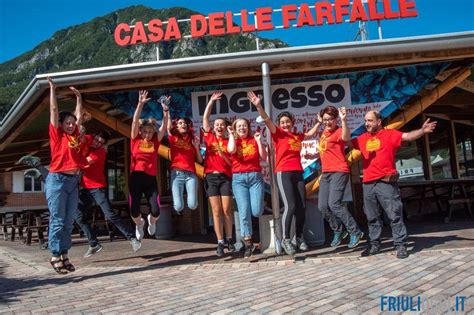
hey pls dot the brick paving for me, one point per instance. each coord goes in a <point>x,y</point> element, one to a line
<point>184,276</point>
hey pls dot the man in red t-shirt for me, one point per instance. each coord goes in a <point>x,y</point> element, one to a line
<point>94,192</point>
<point>378,147</point>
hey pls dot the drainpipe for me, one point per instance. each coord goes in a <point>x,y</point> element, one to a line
<point>277,229</point>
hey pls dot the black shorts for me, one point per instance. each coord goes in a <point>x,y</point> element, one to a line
<point>218,184</point>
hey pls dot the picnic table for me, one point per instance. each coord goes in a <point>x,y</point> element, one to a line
<point>439,191</point>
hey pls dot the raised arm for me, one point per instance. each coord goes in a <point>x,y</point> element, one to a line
<point>257,102</point>
<point>166,121</point>
<point>53,104</point>
<point>198,149</point>
<point>231,148</point>
<point>206,125</point>
<point>261,148</point>
<point>427,127</point>
<point>313,131</point>
<point>78,111</point>
<point>346,132</point>
<point>142,99</point>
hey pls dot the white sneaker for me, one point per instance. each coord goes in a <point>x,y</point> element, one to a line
<point>139,233</point>
<point>151,226</point>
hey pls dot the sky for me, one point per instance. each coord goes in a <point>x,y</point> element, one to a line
<point>26,23</point>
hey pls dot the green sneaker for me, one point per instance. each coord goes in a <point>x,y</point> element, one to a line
<point>338,237</point>
<point>355,239</point>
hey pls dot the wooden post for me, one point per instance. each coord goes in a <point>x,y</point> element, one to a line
<point>453,151</point>
<point>413,108</point>
<point>426,158</point>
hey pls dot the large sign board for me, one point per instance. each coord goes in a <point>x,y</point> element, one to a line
<point>264,19</point>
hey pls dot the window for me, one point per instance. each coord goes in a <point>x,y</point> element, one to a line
<point>409,161</point>
<point>464,136</point>
<point>439,147</point>
<point>22,183</point>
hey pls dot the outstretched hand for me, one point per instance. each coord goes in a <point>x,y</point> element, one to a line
<point>254,99</point>
<point>76,92</point>
<point>342,113</point>
<point>216,96</point>
<point>142,97</point>
<point>429,126</point>
<point>51,83</point>
<point>163,103</point>
<point>230,130</point>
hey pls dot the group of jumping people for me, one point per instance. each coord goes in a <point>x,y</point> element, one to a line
<point>232,167</point>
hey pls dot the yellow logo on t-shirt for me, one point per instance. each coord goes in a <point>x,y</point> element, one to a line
<point>295,144</point>
<point>246,149</point>
<point>74,142</point>
<point>184,145</point>
<point>217,147</point>
<point>323,144</point>
<point>372,145</point>
<point>146,146</point>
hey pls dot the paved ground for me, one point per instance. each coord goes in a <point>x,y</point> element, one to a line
<point>185,276</point>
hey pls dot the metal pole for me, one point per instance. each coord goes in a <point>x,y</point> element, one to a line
<point>157,51</point>
<point>257,40</point>
<point>379,26</point>
<point>266,83</point>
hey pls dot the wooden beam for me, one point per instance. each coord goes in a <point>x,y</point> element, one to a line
<point>413,108</point>
<point>125,130</point>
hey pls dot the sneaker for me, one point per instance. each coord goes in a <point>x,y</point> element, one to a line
<point>136,244</point>
<point>151,226</point>
<point>139,233</point>
<point>29,160</point>
<point>230,245</point>
<point>338,237</point>
<point>300,244</point>
<point>288,247</point>
<point>402,252</point>
<point>355,239</point>
<point>373,249</point>
<point>248,248</point>
<point>220,249</point>
<point>93,250</point>
<point>32,172</point>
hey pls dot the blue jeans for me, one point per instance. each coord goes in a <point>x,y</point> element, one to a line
<point>97,196</point>
<point>62,193</point>
<point>180,179</point>
<point>248,191</point>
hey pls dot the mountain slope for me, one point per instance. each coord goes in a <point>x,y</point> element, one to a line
<point>91,44</point>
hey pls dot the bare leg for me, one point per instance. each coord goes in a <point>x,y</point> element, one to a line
<point>217,215</point>
<point>228,215</point>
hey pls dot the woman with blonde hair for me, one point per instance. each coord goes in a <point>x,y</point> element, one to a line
<point>145,141</point>
<point>247,180</point>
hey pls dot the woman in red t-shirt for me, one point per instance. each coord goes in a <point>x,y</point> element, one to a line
<point>247,181</point>
<point>289,171</point>
<point>217,168</point>
<point>61,186</point>
<point>184,150</point>
<point>145,142</point>
<point>335,175</point>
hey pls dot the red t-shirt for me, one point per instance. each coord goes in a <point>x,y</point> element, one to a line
<point>183,153</point>
<point>213,162</point>
<point>287,150</point>
<point>378,153</point>
<point>93,175</point>
<point>331,152</point>
<point>246,157</point>
<point>144,155</point>
<point>66,150</point>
